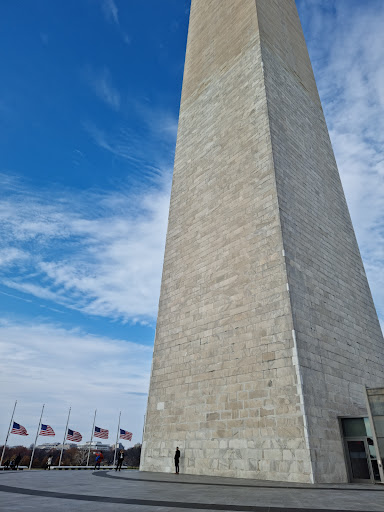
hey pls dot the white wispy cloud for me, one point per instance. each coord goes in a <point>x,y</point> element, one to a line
<point>349,68</point>
<point>150,146</point>
<point>111,14</point>
<point>10,256</point>
<point>110,10</point>
<point>160,122</point>
<point>101,83</point>
<point>99,253</point>
<point>123,143</point>
<point>46,363</point>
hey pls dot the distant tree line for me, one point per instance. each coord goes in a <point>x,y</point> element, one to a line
<point>71,457</point>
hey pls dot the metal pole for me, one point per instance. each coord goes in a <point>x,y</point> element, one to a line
<point>37,435</point>
<point>93,430</point>
<point>9,428</point>
<point>65,435</point>
<point>117,438</point>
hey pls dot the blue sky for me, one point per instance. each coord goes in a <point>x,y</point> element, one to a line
<point>89,101</point>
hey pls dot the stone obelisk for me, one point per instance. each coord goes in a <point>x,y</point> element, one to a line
<point>267,332</point>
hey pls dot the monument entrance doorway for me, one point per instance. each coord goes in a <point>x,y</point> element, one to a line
<point>360,450</point>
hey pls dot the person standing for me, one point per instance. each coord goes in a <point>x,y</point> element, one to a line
<point>120,459</point>
<point>99,459</point>
<point>177,460</point>
<point>49,462</point>
<point>17,461</point>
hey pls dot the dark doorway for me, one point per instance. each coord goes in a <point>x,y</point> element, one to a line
<point>360,450</point>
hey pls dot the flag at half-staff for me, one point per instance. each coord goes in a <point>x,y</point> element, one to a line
<point>19,429</point>
<point>101,432</point>
<point>72,435</point>
<point>124,434</point>
<point>46,430</point>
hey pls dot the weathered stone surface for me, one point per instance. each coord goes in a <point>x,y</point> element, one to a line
<point>266,330</point>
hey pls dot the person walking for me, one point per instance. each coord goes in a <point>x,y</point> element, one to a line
<point>120,458</point>
<point>17,461</point>
<point>177,460</point>
<point>49,462</point>
<point>99,459</point>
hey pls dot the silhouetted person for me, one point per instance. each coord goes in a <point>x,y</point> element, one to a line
<point>17,461</point>
<point>6,464</point>
<point>177,460</point>
<point>120,458</point>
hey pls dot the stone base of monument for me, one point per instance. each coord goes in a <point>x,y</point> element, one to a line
<point>66,468</point>
<point>74,468</point>
<point>20,468</point>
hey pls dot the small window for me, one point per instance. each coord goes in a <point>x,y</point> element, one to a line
<point>354,427</point>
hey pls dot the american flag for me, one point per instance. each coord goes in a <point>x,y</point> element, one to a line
<point>19,429</point>
<point>125,435</point>
<point>101,432</point>
<point>74,436</point>
<point>46,430</point>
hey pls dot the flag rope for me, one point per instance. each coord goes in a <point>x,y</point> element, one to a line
<point>93,430</point>
<point>37,435</point>
<point>117,437</point>
<point>65,435</point>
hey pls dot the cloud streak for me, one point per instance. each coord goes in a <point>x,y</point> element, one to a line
<point>101,83</point>
<point>110,10</point>
<point>99,253</point>
<point>111,14</point>
<point>149,147</point>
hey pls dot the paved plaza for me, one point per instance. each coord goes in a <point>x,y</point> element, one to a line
<point>139,492</point>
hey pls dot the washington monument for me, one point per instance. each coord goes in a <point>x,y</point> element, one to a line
<point>267,333</point>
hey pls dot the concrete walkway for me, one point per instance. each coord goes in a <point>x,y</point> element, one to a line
<point>141,492</point>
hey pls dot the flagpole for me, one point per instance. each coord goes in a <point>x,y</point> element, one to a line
<point>9,428</point>
<point>93,430</point>
<point>65,435</point>
<point>117,437</point>
<point>37,435</point>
